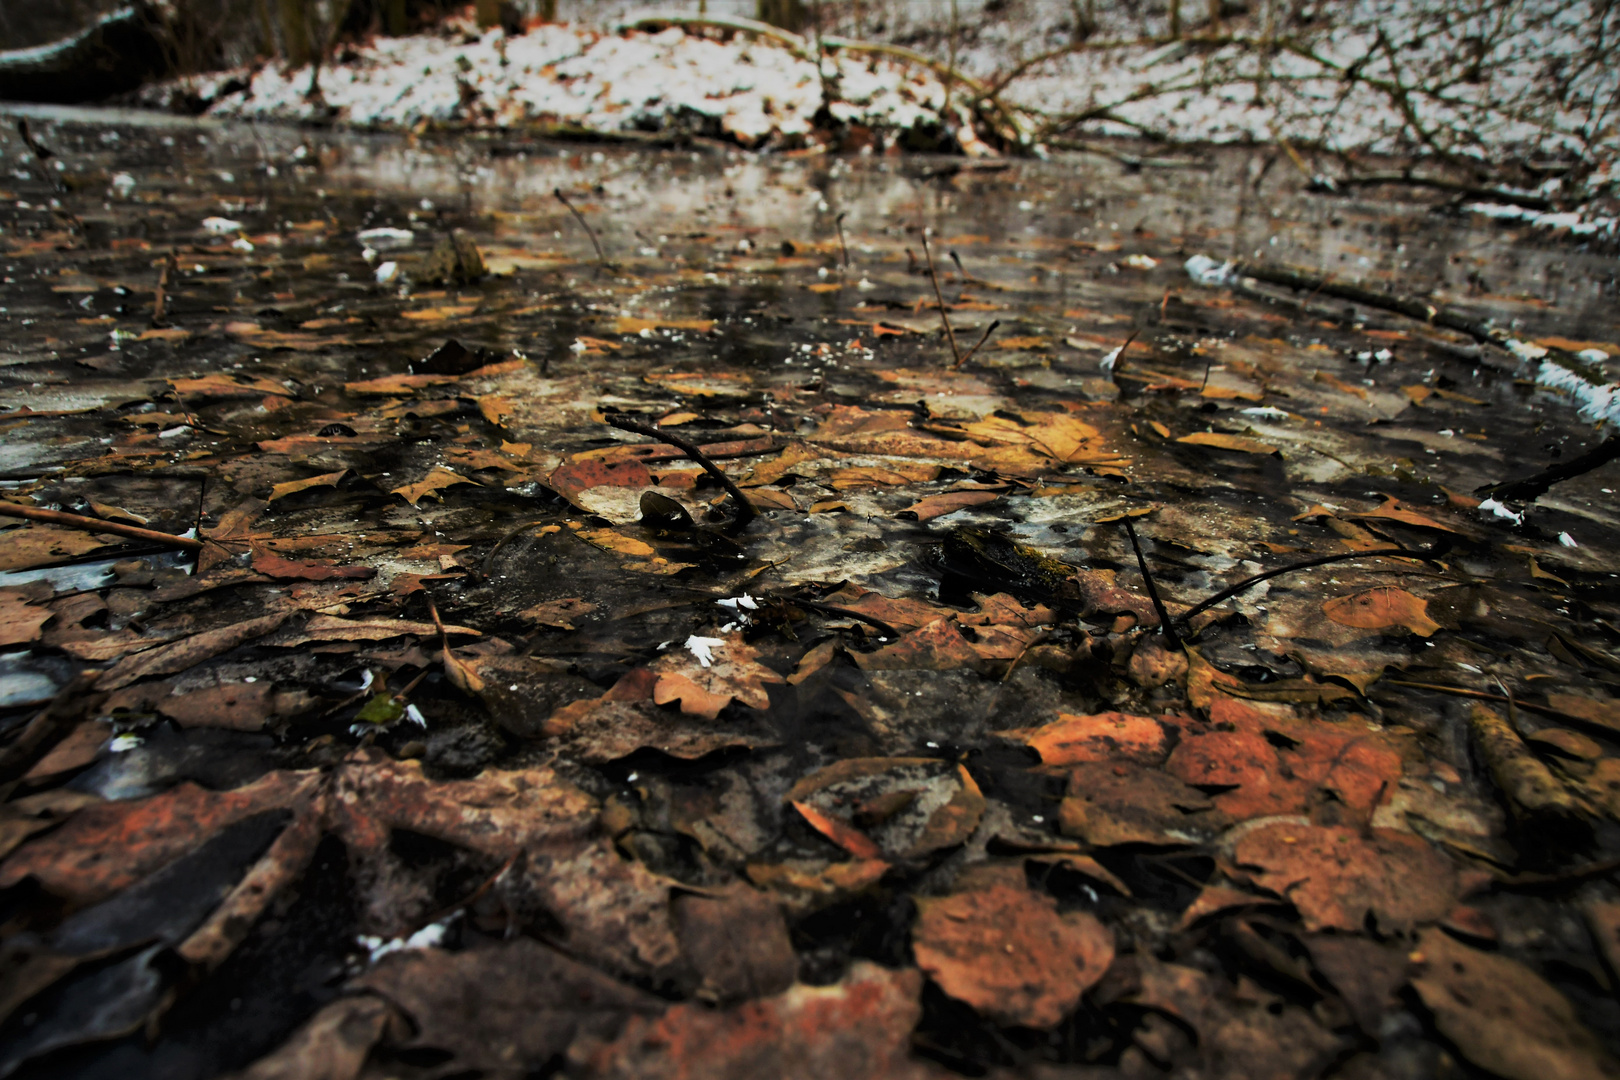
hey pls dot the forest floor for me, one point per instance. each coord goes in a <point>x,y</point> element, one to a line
<point>451,730</point>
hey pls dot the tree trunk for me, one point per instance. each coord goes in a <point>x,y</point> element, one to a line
<point>788,14</point>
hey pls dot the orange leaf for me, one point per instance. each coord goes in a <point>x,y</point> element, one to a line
<point>1223,441</point>
<point>1380,609</point>
<point>845,836</point>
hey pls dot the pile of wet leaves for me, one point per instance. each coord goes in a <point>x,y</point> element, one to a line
<point>443,648</point>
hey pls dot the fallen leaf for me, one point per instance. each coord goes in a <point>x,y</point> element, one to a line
<point>735,674</point>
<point>20,622</point>
<point>1502,1016</point>
<point>431,484</point>
<point>859,1026</point>
<point>1007,952</point>
<point>507,1009</point>
<point>1221,441</point>
<point>272,565</point>
<point>104,849</point>
<point>1337,877</point>
<point>293,487</point>
<point>331,1045</point>
<point>1120,803</point>
<point>1070,739</point>
<point>1381,609</point>
<point>948,502</point>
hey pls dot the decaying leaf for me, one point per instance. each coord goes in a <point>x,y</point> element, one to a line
<point>1338,877</point>
<point>857,1027</point>
<point>1504,1017</point>
<point>505,1009</point>
<point>1009,953</point>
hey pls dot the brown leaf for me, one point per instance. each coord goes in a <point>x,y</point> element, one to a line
<point>189,651</point>
<point>20,622</point>
<point>573,477</point>
<point>506,1009</point>
<point>431,484</point>
<point>43,545</point>
<point>105,848</point>
<point>1381,609</point>
<point>558,613</point>
<point>1337,876</point>
<point>1070,739</point>
<point>1007,952</point>
<point>739,943</point>
<point>939,646</point>
<point>734,675</point>
<point>331,1045</point>
<point>1222,441</point>
<point>270,564</point>
<point>1109,804</point>
<point>625,719</point>
<point>292,487</point>
<point>1600,711</point>
<point>948,502</point>
<point>1365,973</point>
<point>613,911</point>
<point>1276,765</point>
<point>1504,1017</point>
<point>859,1027</point>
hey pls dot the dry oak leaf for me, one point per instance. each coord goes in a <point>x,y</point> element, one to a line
<point>431,484</point>
<point>1222,441</point>
<point>1070,739</point>
<point>939,646</point>
<point>625,719</point>
<point>856,1029</point>
<point>1504,1017</point>
<point>292,487</point>
<point>1380,609</point>
<point>1007,952</point>
<point>1337,876</point>
<point>735,674</point>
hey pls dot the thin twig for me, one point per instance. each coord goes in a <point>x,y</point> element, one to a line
<point>579,217</point>
<point>843,249</point>
<point>1166,627</point>
<point>745,509</point>
<point>160,304</point>
<point>939,296</point>
<point>1249,582</point>
<point>982,339</point>
<point>96,525</point>
<point>828,609</point>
